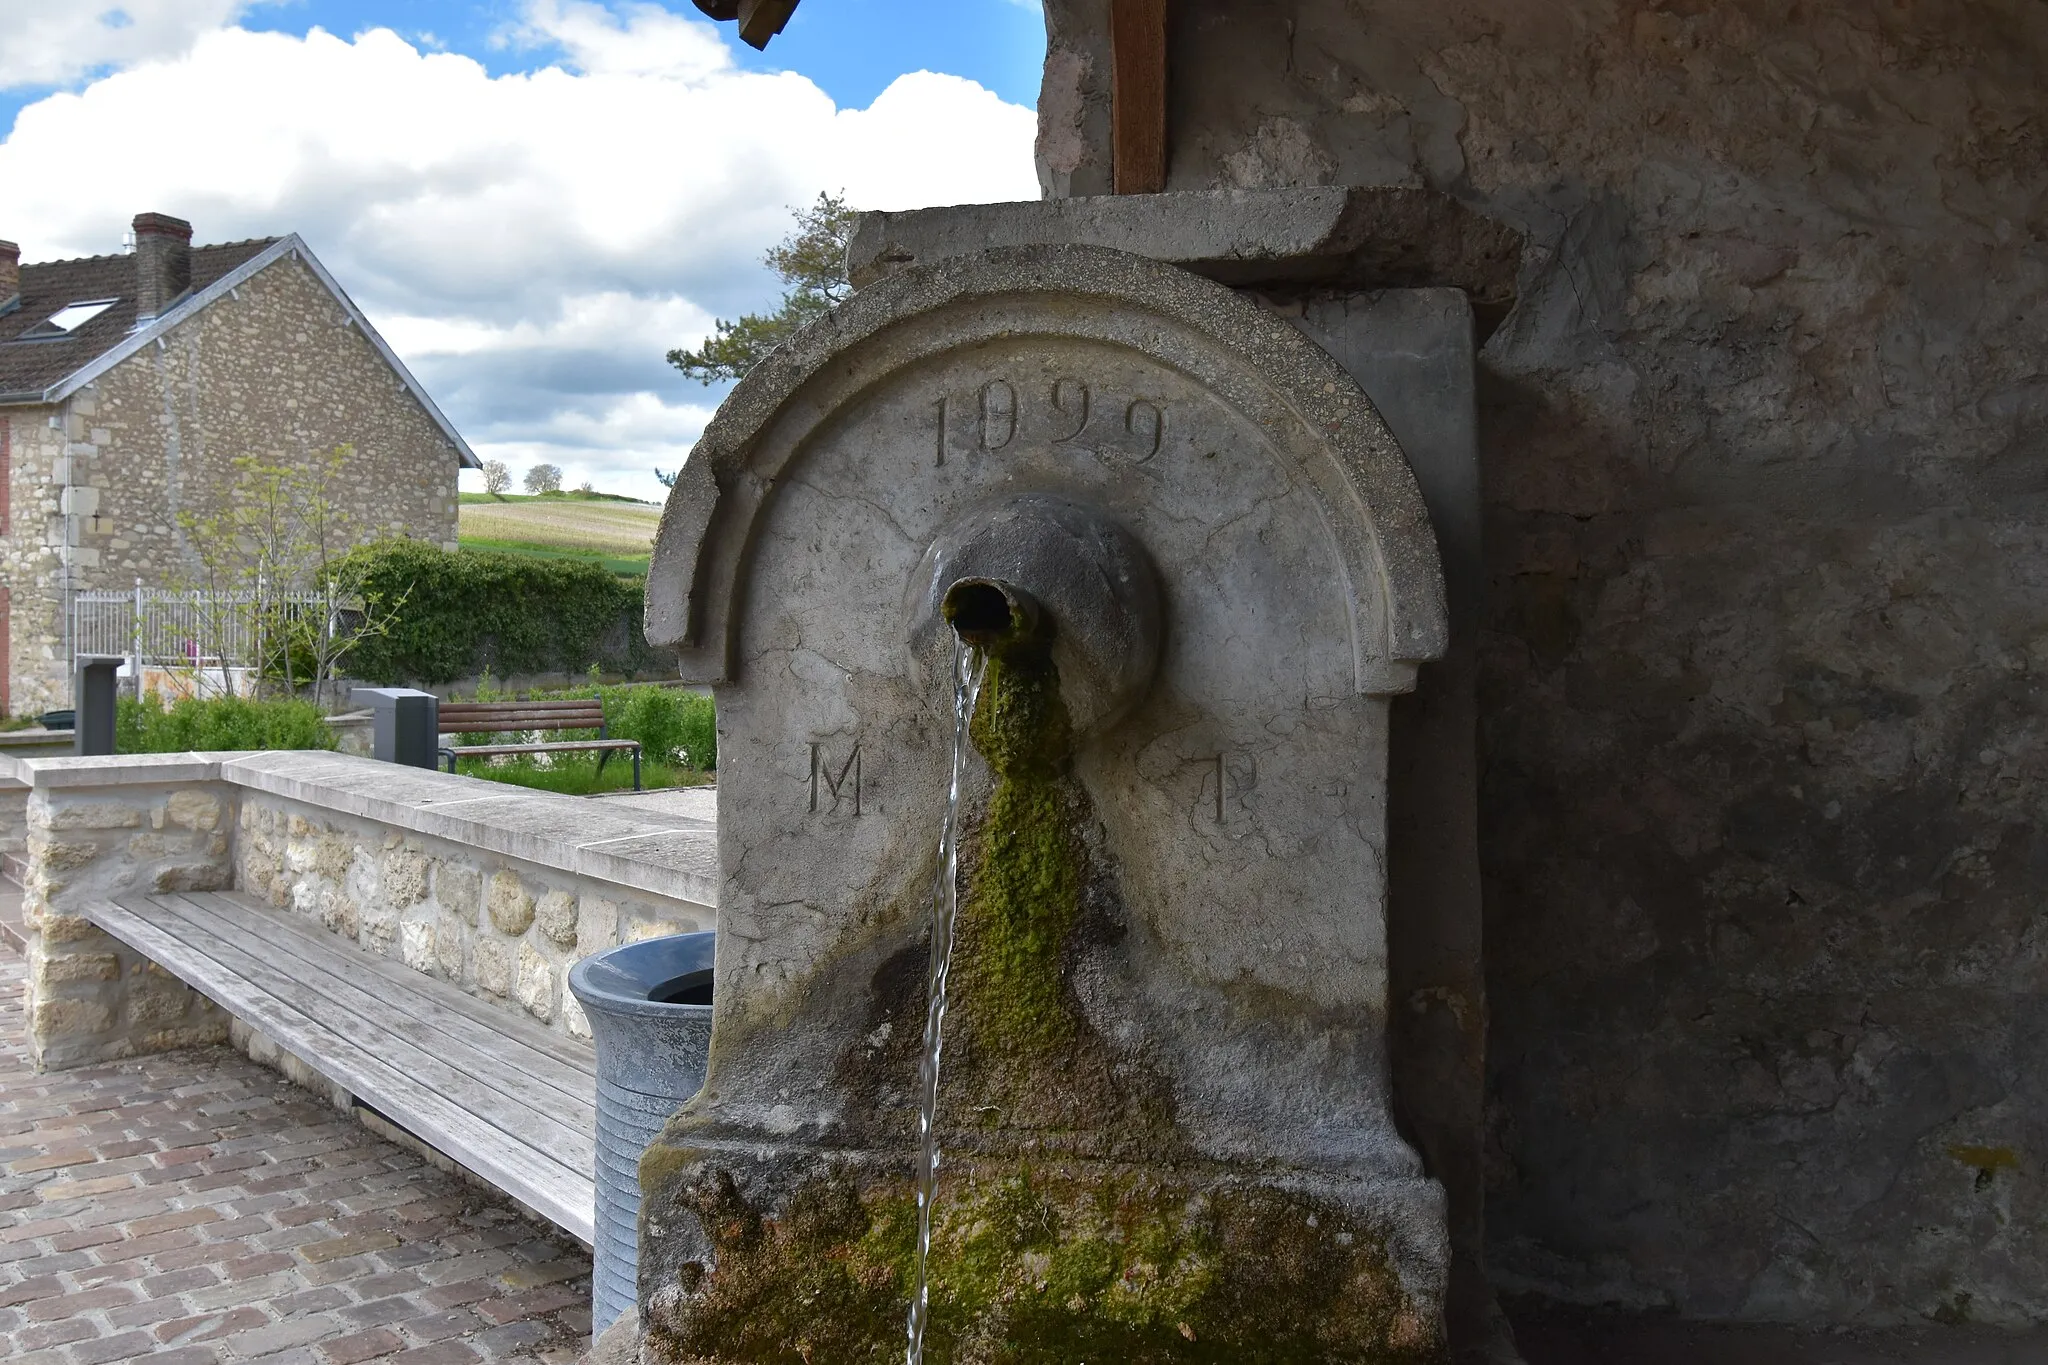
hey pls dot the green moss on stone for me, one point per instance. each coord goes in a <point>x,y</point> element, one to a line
<point>1024,887</point>
<point>660,1163</point>
<point>1047,1266</point>
<point>818,1284</point>
<point>1135,1255</point>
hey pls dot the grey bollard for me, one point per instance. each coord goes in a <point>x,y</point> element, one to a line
<point>405,725</point>
<point>92,698</point>
<point>649,1005</point>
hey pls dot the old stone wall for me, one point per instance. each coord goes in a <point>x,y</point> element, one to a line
<point>30,566</point>
<point>275,372</point>
<point>90,997</point>
<point>502,928</point>
<point>1761,682</point>
<point>461,904</point>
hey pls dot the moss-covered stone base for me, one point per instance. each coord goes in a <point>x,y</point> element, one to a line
<point>1047,1265</point>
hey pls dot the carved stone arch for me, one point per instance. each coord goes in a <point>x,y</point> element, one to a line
<point>1311,415</point>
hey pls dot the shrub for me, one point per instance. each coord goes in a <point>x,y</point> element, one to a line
<point>150,727</point>
<point>674,727</point>
<point>467,611</point>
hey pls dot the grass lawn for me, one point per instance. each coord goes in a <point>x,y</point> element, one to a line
<point>577,775</point>
<point>626,566</point>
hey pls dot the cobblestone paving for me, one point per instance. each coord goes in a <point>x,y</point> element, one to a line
<point>194,1208</point>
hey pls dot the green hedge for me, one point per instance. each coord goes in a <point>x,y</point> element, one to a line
<point>460,613</point>
<point>150,727</point>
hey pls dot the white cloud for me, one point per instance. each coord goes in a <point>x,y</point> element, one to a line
<point>530,243</point>
<point>49,42</point>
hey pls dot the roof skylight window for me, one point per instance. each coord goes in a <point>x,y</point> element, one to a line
<point>73,316</point>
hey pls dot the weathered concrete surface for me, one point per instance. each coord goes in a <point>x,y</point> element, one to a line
<point>1216,1013</point>
<point>1412,353</point>
<point>1328,238</point>
<point>1763,722</point>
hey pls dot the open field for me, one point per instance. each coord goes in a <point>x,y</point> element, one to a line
<point>605,528</point>
<point>627,566</point>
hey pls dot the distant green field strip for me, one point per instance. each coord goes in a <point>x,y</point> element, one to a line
<point>617,564</point>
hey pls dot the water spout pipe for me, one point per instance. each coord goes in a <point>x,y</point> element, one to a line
<point>990,614</point>
<point>1046,574</point>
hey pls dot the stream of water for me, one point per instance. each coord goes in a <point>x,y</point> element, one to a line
<point>968,666</point>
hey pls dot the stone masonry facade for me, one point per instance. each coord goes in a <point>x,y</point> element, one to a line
<point>103,485</point>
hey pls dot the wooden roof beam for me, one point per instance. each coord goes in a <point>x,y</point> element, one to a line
<point>1137,38</point>
<point>761,20</point>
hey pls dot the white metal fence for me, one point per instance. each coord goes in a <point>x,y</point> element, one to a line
<point>163,628</point>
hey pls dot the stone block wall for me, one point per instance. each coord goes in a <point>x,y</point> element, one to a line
<point>91,998</point>
<point>502,928</point>
<point>30,565</point>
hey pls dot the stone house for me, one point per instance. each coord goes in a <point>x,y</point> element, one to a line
<point>130,385</point>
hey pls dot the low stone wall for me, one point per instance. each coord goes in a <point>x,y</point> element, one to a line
<point>164,826</point>
<point>495,889</point>
<point>504,928</point>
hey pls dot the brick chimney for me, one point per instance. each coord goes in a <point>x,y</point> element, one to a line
<point>10,271</point>
<point>163,262</point>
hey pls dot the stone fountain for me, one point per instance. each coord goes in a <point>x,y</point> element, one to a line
<point>1197,565</point>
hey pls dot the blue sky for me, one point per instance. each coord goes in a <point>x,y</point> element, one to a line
<point>851,48</point>
<point>532,199</point>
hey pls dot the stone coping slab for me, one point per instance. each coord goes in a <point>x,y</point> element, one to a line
<point>1355,237</point>
<point>114,770</point>
<point>635,847</point>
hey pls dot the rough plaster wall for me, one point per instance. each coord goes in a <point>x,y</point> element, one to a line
<point>275,374</point>
<point>1762,689</point>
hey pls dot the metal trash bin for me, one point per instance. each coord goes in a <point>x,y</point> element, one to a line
<point>649,1005</point>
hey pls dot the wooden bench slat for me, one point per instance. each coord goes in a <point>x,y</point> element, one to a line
<point>512,1104</point>
<point>556,746</point>
<point>467,725</point>
<point>480,718</point>
<point>420,1009</point>
<point>570,1058</point>
<point>534,704</point>
<point>535,1177</point>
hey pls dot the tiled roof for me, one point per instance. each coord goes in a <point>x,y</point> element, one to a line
<point>29,367</point>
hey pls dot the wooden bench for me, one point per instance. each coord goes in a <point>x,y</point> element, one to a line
<point>511,1102</point>
<point>492,717</point>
